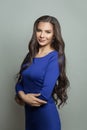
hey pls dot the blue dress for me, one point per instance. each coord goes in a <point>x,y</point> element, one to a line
<point>40,77</point>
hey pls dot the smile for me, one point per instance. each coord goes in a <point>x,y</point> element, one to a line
<point>42,40</point>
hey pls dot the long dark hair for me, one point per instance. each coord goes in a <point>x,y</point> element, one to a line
<point>60,89</point>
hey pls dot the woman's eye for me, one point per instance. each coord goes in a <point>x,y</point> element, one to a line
<point>38,30</point>
<point>48,32</point>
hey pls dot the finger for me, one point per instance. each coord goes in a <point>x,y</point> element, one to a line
<point>37,94</point>
<point>36,104</point>
<point>40,101</point>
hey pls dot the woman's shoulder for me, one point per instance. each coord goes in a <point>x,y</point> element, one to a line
<point>53,55</point>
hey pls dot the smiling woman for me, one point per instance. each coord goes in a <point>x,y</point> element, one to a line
<point>44,34</point>
<point>42,75</point>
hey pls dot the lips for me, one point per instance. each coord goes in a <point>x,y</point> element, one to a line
<point>41,40</point>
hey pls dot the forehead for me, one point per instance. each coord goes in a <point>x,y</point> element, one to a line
<point>45,25</point>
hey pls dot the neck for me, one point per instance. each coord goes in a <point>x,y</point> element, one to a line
<point>45,49</point>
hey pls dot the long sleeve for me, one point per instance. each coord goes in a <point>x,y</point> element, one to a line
<point>19,86</point>
<point>51,75</point>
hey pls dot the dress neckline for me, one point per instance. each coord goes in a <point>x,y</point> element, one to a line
<point>45,55</point>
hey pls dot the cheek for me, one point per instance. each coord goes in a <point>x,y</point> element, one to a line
<point>50,37</point>
<point>37,35</point>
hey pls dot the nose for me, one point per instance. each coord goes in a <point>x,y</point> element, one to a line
<point>42,34</point>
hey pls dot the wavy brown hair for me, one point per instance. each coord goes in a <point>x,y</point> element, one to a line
<point>60,89</point>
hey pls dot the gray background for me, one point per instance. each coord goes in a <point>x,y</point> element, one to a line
<point>16,22</point>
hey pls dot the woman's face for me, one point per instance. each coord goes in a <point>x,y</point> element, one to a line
<point>44,33</point>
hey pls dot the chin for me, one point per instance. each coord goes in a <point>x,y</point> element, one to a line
<point>42,44</point>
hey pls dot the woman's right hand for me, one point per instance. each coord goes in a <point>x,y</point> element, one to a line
<point>32,99</point>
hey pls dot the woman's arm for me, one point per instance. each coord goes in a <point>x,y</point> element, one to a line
<point>51,76</point>
<point>31,99</point>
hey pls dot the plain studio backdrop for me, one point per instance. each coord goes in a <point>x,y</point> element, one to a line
<point>16,24</point>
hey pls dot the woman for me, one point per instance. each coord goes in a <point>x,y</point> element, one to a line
<point>42,80</point>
